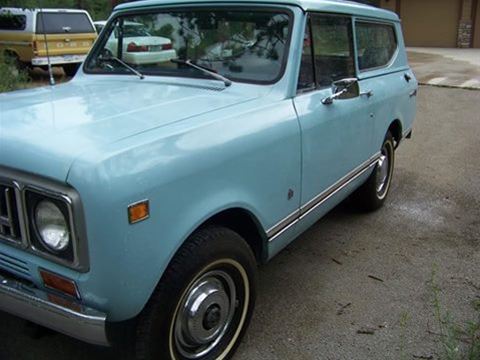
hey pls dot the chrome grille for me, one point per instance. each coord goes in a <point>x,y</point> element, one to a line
<point>9,219</point>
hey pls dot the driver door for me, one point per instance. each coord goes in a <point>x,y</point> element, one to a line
<point>336,137</point>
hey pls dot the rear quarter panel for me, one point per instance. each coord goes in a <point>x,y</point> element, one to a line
<point>392,98</point>
<point>19,43</point>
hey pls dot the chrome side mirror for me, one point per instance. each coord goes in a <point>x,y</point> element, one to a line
<point>343,89</point>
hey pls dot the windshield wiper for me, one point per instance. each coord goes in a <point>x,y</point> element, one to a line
<point>124,64</point>
<point>210,72</point>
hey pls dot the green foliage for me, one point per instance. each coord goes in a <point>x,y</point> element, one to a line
<point>165,31</point>
<point>10,77</point>
<point>403,326</point>
<point>98,9</point>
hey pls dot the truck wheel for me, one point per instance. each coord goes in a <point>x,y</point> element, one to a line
<point>204,301</point>
<point>70,69</point>
<point>372,194</point>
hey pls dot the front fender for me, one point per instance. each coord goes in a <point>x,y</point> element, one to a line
<point>189,172</point>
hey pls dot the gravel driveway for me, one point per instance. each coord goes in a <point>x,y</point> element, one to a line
<point>357,286</point>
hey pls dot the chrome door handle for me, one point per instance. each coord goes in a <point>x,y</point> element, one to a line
<point>368,93</point>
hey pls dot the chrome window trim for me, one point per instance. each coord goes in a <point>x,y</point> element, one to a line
<point>284,224</point>
<point>24,182</point>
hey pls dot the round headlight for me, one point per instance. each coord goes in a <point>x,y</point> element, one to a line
<point>51,225</point>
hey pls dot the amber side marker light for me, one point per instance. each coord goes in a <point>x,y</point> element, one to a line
<point>138,211</point>
<point>59,283</point>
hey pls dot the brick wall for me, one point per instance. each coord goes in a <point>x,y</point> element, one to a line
<point>465,25</point>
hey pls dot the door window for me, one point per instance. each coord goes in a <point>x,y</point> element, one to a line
<point>376,44</point>
<point>332,48</point>
<point>328,47</point>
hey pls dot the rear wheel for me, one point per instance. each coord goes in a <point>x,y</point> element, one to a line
<point>372,194</point>
<point>203,304</point>
<point>70,69</point>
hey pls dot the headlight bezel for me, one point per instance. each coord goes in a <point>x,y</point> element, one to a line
<point>23,182</point>
<point>67,200</point>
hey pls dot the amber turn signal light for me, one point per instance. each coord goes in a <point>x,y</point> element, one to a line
<point>59,283</point>
<point>138,211</point>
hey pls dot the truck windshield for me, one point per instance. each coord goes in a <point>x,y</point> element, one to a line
<point>241,45</point>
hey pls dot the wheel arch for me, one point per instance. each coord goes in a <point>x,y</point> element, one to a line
<point>10,52</point>
<point>244,223</point>
<point>396,129</point>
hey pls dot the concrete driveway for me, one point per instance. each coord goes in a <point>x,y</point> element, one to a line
<point>446,67</point>
<point>358,286</point>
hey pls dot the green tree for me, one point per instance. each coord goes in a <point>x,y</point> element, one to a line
<point>98,9</point>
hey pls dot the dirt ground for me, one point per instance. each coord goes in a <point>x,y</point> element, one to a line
<point>39,77</point>
<point>358,286</point>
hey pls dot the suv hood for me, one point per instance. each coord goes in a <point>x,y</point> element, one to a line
<point>44,130</point>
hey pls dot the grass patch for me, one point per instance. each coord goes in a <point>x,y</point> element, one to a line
<point>458,341</point>
<point>403,329</point>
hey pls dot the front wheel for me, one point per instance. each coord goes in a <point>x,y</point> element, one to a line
<point>204,301</point>
<point>372,194</point>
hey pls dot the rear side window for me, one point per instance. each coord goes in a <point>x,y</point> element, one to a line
<point>12,22</point>
<point>60,23</point>
<point>376,44</point>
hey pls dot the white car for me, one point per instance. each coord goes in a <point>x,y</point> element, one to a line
<point>139,46</point>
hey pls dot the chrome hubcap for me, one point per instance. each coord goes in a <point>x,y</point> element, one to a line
<point>205,314</point>
<point>382,173</point>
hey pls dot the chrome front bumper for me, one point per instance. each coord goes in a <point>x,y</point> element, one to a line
<point>54,312</point>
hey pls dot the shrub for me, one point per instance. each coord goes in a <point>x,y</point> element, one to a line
<point>11,78</point>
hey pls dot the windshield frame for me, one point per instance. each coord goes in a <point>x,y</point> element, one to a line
<point>103,38</point>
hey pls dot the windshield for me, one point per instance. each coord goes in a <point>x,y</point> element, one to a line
<point>242,45</point>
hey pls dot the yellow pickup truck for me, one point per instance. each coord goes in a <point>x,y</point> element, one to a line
<point>29,35</point>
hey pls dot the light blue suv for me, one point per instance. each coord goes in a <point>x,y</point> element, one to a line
<point>137,200</point>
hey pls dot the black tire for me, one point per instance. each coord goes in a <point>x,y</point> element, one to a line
<point>70,69</point>
<point>372,194</point>
<point>162,330</point>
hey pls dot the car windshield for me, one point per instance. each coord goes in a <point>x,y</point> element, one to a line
<point>242,45</point>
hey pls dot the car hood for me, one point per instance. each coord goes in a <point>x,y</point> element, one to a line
<point>44,130</point>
